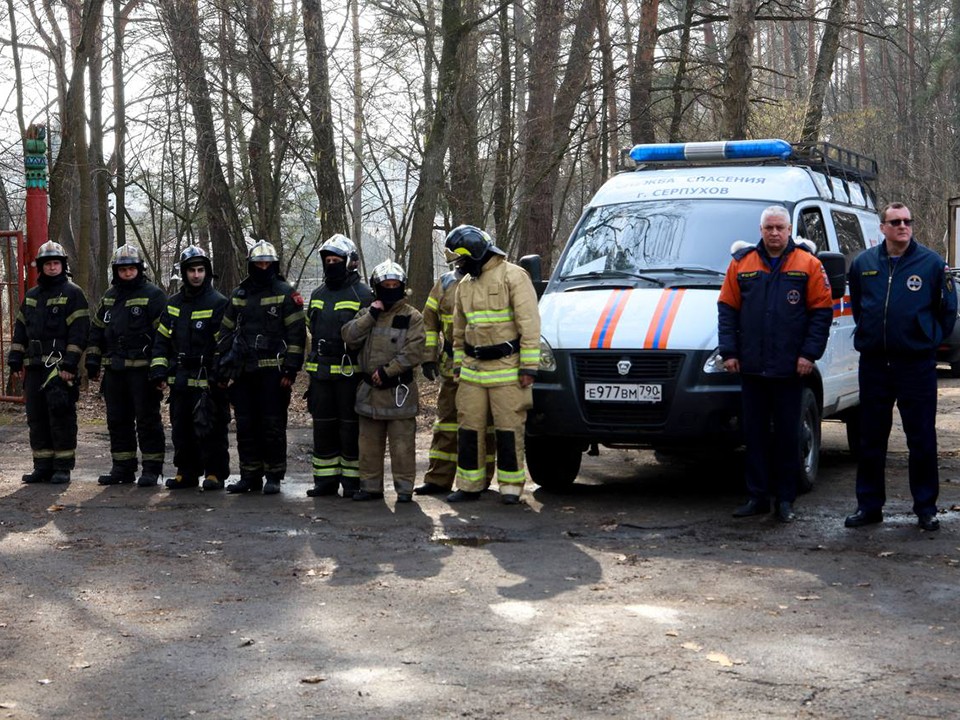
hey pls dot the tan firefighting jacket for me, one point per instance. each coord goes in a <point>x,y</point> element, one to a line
<point>495,309</point>
<point>438,322</point>
<point>393,342</point>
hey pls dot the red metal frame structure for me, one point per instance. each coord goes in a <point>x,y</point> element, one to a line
<point>12,289</point>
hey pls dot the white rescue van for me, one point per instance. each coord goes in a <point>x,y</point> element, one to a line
<point>629,316</point>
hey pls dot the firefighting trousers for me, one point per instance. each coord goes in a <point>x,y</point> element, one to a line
<point>402,436</point>
<point>260,408</point>
<point>336,429</point>
<point>133,415</point>
<point>194,456</point>
<point>443,448</point>
<point>53,435</point>
<point>507,405</point>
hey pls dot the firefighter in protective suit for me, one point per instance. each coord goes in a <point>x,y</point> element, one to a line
<point>49,336</point>
<point>333,370</point>
<point>260,351</point>
<point>390,337</point>
<point>183,353</point>
<point>496,353</point>
<point>438,323</point>
<point>121,340</point>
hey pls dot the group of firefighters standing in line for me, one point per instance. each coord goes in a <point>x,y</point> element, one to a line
<point>479,333</point>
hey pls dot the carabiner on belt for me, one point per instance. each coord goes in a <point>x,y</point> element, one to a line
<point>401,394</point>
<point>49,362</point>
<point>345,364</point>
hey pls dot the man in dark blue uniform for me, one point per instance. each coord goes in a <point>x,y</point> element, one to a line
<point>904,304</point>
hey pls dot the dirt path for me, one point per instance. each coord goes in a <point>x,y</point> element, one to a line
<point>634,596</point>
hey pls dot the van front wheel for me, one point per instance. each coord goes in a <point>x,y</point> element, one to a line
<point>553,462</point>
<point>809,440</point>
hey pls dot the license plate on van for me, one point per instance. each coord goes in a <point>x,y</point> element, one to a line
<point>623,392</point>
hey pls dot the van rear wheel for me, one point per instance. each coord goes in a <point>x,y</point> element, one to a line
<point>553,462</point>
<point>809,440</point>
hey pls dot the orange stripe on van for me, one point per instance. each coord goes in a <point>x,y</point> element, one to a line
<point>609,317</point>
<point>658,334</point>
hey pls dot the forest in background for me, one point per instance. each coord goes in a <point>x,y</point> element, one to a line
<point>172,122</point>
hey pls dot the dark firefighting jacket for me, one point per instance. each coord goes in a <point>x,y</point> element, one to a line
<point>329,310</point>
<point>51,326</point>
<point>122,330</point>
<point>263,327</point>
<point>185,344</point>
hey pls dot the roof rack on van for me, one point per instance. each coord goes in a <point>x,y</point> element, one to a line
<point>834,160</point>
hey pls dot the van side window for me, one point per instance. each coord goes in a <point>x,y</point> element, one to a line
<point>849,235</point>
<point>811,227</point>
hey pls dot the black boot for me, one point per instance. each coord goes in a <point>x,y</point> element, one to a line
<point>60,477</point>
<point>245,484</point>
<point>117,477</point>
<point>182,482</point>
<point>148,478</point>
<point>272,486</point>
<point>37,476</point>
<point>323,487</point>
<point>462,496</point>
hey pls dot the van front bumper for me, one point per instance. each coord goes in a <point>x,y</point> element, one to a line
<point>695,406</point>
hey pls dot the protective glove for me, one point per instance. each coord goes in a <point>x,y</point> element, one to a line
<point>430,370</point>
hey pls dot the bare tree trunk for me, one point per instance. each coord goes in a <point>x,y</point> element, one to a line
<point>641,79</point>
<point>356,198</point>
<point>829,46</point>
<point>737,82</point>
<point>420,270</point>
<point>680,77</point>
<point>333,210</point>
<point>501,178</point>
<point>259,29</point>
<point>99,218</point>
<point>548,132</point>
<point>182,23</point>
<point>609,144</point>
<point>465,196</point>
<point>74,148</point>
<point>862,53</point>
<point>17,74</point>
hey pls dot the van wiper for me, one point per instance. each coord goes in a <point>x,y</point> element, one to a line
<point>601,274</point>
<point>687,270</point>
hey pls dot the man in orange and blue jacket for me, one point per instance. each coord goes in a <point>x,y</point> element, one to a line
<point>775,311</point>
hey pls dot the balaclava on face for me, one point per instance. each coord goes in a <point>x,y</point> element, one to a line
<point>262,276</point>
<point>335,273</point>
<point>390,296</point>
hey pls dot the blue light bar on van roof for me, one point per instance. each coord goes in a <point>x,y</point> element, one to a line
<point>712,151</point>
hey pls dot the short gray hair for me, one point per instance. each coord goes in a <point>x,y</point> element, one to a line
<point>775,211</point>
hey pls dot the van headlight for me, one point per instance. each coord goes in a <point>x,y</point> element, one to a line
<point>714,363</point>
<point>548,363</point>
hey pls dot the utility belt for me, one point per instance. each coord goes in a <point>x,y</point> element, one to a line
<point>190,362</point>
<point>390,381</point>
<point>45,351</point>
<point>130,347</point>
<point>265,343</point>
<point>492,352</point>
<point>331,348</point>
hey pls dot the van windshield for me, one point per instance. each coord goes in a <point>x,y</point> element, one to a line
<point>660,236</point>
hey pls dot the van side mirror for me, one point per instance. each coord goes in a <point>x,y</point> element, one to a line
<point>534,268</point>
<point>836,266</point>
